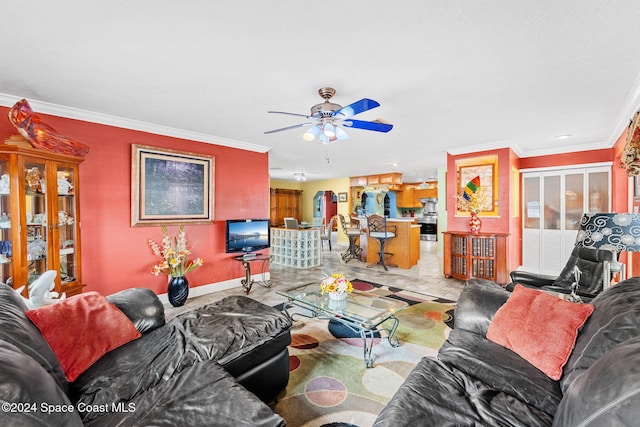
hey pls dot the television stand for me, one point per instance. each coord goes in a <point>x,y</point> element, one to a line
<point>246,260</point>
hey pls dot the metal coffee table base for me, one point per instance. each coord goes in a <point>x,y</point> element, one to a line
<point>368,335</point>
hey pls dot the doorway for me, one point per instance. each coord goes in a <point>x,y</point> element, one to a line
<point>325,206</point>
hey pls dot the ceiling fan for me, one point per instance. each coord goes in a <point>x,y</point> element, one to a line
<point>327,119</point>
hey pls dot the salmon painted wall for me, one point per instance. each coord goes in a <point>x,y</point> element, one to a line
<point>493,224</point>
<point>115,256</point>
<point>623,200</point>
<point>620,180</point>
<point>507,220</point>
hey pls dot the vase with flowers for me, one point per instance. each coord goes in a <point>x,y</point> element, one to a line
<point>174,262</point>
<point>336,285</point>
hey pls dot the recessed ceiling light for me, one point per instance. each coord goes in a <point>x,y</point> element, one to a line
<point>563,136</point>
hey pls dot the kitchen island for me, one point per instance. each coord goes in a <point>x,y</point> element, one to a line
<point>405,247</point>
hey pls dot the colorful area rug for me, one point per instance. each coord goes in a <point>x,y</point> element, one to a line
<point>329,384</point>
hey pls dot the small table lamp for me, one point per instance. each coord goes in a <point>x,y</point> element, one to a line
<point>616,232</point>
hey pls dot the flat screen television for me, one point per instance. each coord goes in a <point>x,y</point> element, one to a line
<point>247,235</point>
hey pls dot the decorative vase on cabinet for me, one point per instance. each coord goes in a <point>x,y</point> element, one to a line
<point>474,223</point>
<point>40,230</point>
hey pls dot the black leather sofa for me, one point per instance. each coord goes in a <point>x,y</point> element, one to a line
<point>476,382</point>
<point>210,366</point>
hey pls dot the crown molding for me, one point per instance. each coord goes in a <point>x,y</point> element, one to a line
<point>558,149</point>
<point>495,145</point>
<point>631,105</point>
<point>105,119</point>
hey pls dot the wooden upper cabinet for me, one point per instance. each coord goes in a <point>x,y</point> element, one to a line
<point>391,178</point>
<point>358,181</point>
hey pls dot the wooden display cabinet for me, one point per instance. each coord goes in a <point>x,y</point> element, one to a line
<point>39,218</point>
<point>482,256</point>
<point>284,203</point>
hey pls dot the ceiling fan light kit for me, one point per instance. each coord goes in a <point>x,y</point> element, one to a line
<point>311,133</point>
<point>328,119</point>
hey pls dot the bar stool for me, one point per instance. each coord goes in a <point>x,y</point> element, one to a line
<point>378,229</point>
<point>353,234</point>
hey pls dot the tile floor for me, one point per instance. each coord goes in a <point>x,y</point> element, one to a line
<point>425,277</point>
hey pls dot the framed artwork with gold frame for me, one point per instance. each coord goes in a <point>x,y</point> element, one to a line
<point>485,167</point>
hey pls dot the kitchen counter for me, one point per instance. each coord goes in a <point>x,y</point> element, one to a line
<point>405,247</point>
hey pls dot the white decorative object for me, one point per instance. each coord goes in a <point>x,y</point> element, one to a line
<point>40,291</point>
<point>4,184</point>
<point>64,218</point>
<point>64,186</point>
<point>40,218</point>
<point>5,221</point>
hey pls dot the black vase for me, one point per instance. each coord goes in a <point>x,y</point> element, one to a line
<point>178,291</point>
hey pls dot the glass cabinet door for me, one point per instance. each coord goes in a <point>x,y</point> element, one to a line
<point>66,228</point>
<point>36,219</point>
<point>6,253</point>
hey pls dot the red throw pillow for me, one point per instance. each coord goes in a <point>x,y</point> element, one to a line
<point>81,329</point>
<point>539,327</point>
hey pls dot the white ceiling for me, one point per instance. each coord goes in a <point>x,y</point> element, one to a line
<point>456,75</point>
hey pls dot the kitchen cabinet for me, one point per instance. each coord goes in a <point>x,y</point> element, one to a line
<point>391,178</point>
<point>285,203</point>
<point>482,256</point>
<point>39,218</point>
<point>411,194</point>
<point>406,198</point>
<point>357,181</point>
<point>373,180</point>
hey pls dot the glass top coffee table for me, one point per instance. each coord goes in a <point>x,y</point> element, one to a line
<point>361,312</point>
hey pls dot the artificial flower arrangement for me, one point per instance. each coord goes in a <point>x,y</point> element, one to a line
<point>336,283</point>
<point>174,255</point>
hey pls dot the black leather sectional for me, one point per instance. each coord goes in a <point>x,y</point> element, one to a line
<point>476,382</point>
<point>216,365</point>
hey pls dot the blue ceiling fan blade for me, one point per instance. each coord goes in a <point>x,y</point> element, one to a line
<point>356,108</point>
<point>360,124</point>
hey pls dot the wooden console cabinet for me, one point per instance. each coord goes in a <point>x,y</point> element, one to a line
<point>482,256</point>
